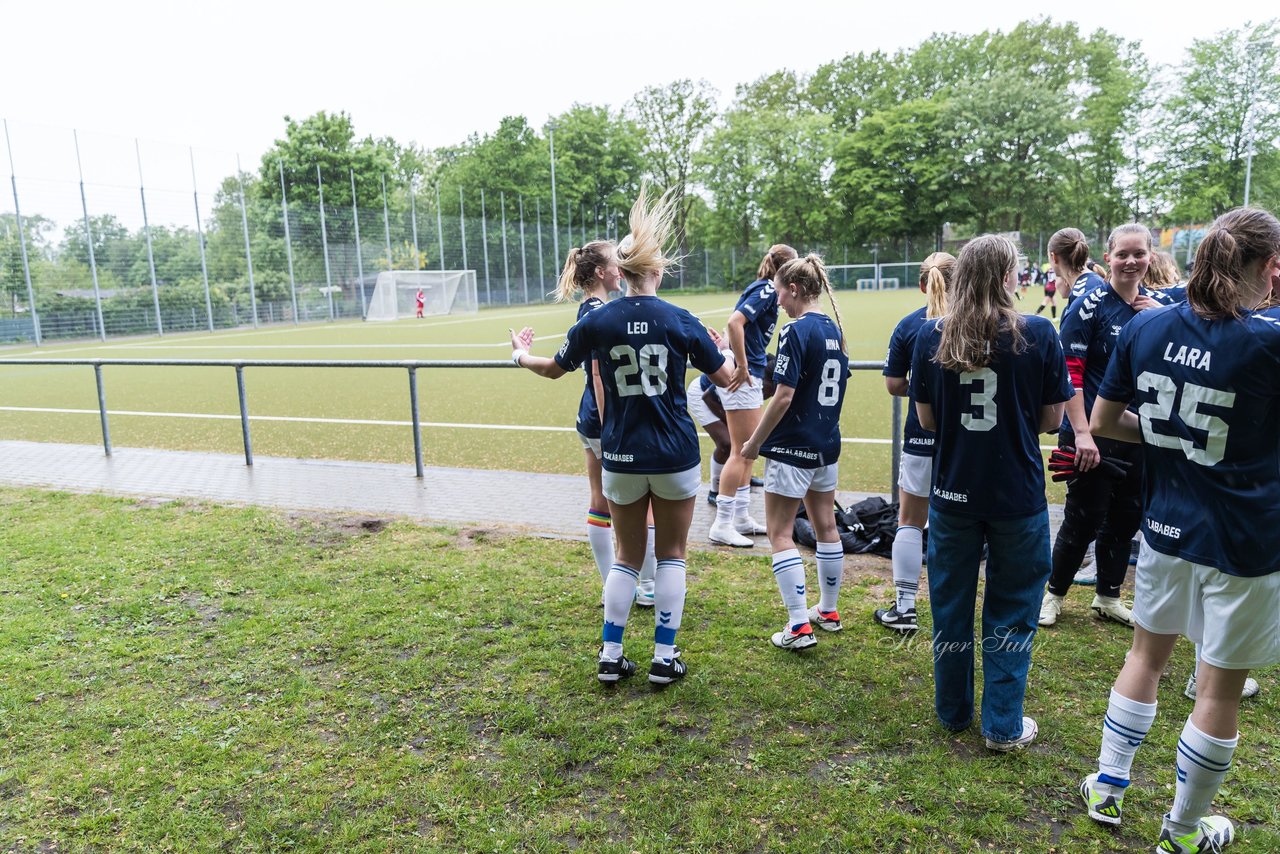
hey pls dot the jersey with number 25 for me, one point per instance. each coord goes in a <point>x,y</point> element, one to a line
<point>1208,400</point>
<point>642,344</point>
<point>987,461</point>
<point>811,361</point>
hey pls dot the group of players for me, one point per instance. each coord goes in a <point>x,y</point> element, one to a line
<point>1167,413</point>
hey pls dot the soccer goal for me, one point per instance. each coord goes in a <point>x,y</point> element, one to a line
<point>395,294</point>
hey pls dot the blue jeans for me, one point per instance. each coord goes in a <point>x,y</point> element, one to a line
<point>1017,568</point>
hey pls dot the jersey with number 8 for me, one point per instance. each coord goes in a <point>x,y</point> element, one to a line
<point>1208,396</point>
<point>643,344</point>
<point>811,361</point>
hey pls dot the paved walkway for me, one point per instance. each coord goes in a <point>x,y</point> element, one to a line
<point>551,505</point>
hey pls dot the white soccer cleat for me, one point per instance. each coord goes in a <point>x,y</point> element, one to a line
<point>1050,609</point>
<point>748,526</point>
<point>724,534</point>
<point>1111,608</point>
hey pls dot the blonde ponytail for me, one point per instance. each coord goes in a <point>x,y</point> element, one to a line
<point>935,278</point>
<point>580,267</point>
<point>809,275</point>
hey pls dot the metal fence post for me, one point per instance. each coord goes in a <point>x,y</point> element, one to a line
<point>386,223</point>
<point>102,409</point>
<point>88,236</point>
<point>248,253</point>
<point>462,227</point>
<point>204,264</point>
<point>484,242</point>
<point>417,423</point>
<point>22,241</point>
<point>288,244</point>
<point>440,227</point>
<point>324,243</point>
<point>542,269</point>
<point>146,230</point>
<point>244,416</point>
<point>355,218</point>
<point>895,456</point>
<point>524,261</point>
<point>506,262</point>
<point>413,220</point>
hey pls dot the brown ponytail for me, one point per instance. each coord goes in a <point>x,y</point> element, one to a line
<point>1236,239</point>
<point>778,254</point>
<point>580,267</point>
<point>809,275</point>
<point>1071,248</point>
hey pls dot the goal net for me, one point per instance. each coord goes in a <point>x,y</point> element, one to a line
<point>443,292</point>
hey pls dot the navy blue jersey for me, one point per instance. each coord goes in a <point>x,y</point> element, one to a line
<point>1085,282</point>
<point>1208,398</point>
<point>916,440</point>
<point>1175,293</point>
<point>759,305</point>
<point>642,344</point>
<point>987,461</point>
<point>1089,331</point>
<point>811,361</point>
<point>588,412</point>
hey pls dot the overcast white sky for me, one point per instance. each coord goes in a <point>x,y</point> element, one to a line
<point>220,76</point>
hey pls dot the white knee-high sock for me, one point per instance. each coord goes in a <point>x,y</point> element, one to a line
<point>908,552</point>
<point>788,571</point>
<point>600,538</point>
<point>830,574</point>
<point>1123,729</point>
<point>650,565</point>
<point>668,601</point>
<point>1203,763</point>
<point>716,468</point>
<point>619,593</point>
<point>726,505</point>
<point>742,503</point>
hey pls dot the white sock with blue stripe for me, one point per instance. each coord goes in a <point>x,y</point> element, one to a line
<point>1123,729</point>
<point>908,553</point>
<point>788,571</point>
<point>830,574</point>
<point>668,602</point>
<point>619,593</point>
<point>1203,763</point>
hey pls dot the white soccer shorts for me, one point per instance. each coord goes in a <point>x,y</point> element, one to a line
<point>793,482</point>
<point>746,397</point>
<point>698,409</point>
<point>915,475</point>
<point>621,488</point>
<point>592,445</point>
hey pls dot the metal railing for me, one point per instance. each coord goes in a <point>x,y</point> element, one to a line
<point>411,366</point>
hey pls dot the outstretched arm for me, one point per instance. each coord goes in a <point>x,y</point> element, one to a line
<point>542,366</point>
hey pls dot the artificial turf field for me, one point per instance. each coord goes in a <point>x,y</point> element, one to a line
<point>471,397</point>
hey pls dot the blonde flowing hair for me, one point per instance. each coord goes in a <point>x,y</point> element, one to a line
<point>980,308</point>
<point>643,252</point>
<point>1163,271</point>
<point>935,278</point>
<point>809,275</point>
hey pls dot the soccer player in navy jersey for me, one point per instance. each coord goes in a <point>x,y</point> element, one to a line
<point>799,436</point>
<point>649,446</point>
<point>1069,255</point>
<point>749,330</point>
<point>1103,503</point>
<point>915,469</point>
<point>591,272</point>
<point>1197,388</point>
<point>987,380</point>
<point>705,408</point>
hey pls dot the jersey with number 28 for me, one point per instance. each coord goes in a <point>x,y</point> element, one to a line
<point>811,361</point>
<point>1208,399</point>
<point>642,344</point>
<point>987,461</point>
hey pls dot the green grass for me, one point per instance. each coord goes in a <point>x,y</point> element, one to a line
<point>448,396</point>
<point>185,677</point>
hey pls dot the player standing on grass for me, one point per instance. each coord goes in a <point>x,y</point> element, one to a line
<point>799,435</point>
<point>915,471</point>
<point>1050,292</point>
<point>750,328</point>
<point>1205,377</point>
<point>649,446</point>
<point>1104,478</point>
<point>421,299</point>
<point>592,272</point>
<point>987,380</point>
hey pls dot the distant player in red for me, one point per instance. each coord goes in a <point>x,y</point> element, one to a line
<point>421,300</point>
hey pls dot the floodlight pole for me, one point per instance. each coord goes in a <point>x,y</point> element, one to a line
<point>22,240</point>
<point>204,264</point>
<point>146,229</point>
<point>555,234</point>
<point>88,236</point>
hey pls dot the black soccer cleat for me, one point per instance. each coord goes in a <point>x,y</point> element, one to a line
<point>902,621</point>
<point>664,673</point>
<point>610,672</point>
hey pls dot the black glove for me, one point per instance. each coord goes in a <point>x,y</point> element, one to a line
<point>1062,462</point>
<point>1113,468</point>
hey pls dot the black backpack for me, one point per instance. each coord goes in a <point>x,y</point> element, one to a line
<point>866,527</point>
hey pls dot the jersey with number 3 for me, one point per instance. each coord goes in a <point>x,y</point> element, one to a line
<point>642,344</point>
<point>987,461</point>
<point>1208,399</point>
<point>811,361</point>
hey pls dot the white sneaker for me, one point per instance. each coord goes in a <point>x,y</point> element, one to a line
<point>801,639</point>
<point>1250,689</point>
<point>1088,571</point>
<point>1214,833</point>
<point>644,594</point>
<point>747,525</point>
<point>724,534</point>
<point>1029,730</point>
<point>1111,608</point>
<point>1050,608</point>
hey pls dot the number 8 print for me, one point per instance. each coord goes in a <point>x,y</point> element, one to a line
<point>650,366</point>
